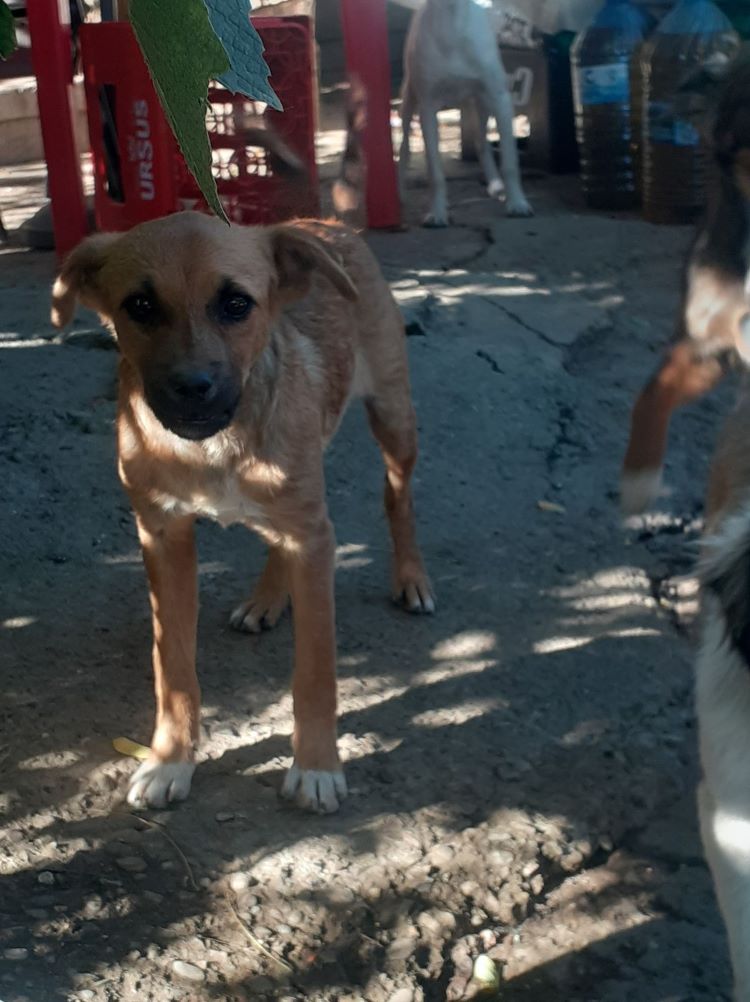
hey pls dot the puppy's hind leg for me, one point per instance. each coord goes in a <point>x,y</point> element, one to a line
<point>438,214</point>
<point>393,424</point>
<point>495,186</point>
<point>407,114</point>
<point>269,599</point>
<point>684,375</point>
<point>501,104</point>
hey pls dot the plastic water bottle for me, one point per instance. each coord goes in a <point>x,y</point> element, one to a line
<point>608,143</point>
<point>676,159</point>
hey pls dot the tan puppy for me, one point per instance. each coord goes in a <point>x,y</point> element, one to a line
<point>240,348</point>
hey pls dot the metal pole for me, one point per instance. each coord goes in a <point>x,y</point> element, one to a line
<point>52,57</point>
<point>366,44</point>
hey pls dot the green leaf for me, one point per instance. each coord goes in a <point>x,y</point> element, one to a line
<point>7,31</point>
<point>248,73</point>
<point>183,53</point>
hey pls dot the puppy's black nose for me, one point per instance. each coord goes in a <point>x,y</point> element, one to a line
<point>192,385</point>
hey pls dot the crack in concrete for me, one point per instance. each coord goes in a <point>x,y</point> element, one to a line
<point>522,323</point>
<point>486,357</point>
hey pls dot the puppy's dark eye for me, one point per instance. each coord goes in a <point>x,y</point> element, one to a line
<point>140,308</point>
<point>235,307</point>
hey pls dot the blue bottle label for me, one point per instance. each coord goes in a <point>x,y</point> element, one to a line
<point>607,84</point>
<point>665,127</point>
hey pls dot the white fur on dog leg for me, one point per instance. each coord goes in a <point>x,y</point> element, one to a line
<point>155,784</point>
<point>495,188</point>
<point>314,789</point>
<point>518,207</point>
<point>436,220</point>
<point>639,490</point>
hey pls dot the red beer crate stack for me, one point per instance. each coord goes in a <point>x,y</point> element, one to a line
<point>139,171</point>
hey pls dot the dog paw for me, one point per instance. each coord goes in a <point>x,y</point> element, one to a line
<point>413,591</point>
<point>261,611</point>
<point>639,489</point>
<point>314,790</point>
<point>437,218</point>
<point>518,208</point>
<point>156,784</point>
<point>495,188</point>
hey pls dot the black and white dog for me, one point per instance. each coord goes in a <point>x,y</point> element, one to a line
<point>716,323</point>
<point>451,59</point>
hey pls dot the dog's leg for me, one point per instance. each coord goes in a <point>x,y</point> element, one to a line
<point>723,709</point>
<point>268,600</point>
<point>726,840</point>
<point>407,114</point>
<point>393,424</point>
<point>169,555</point>
<point>502,108</point>
<point>315,780</point>
<point>683,376</point>
<point>495,186</point>
<point>438,214</point>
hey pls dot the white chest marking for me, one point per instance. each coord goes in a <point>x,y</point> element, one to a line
<point>226,504</point>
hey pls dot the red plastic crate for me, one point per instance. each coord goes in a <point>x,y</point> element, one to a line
<point>139,171</point>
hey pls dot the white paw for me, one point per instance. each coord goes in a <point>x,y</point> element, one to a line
<point>435,220</point>
<point>415,595</point>
<point>156,784</point>
<point>257,614</point>
<point>518,206</point>
<point>639,490</point>
<point>495,188</point>
<point>314,789</point>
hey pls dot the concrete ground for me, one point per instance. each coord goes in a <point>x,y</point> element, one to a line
<point>521,765</point>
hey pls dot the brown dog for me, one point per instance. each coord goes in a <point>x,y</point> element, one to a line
<point>240,348</point>
<point>713,322</point>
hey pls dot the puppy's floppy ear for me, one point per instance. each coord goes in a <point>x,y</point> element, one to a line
<point>78,278</point>
<point>297,253</point>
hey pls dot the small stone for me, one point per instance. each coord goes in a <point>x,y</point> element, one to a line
<point>16,953</point>
<point>401,948</point>
<point>224,816</point>
<point>440,856</point>
<point>530,869</point>
<point>46,878</point>
<point>153,897</point>
<point>153,952</point>
<point>537,884</point>
<point>85,994</point>
<point>239,882</point>
<point>446,919</point>
<point>501,858</point>
<point>402,995</point>
<point>488,939</point>
<point>131,864</point>
<point>188,972</point>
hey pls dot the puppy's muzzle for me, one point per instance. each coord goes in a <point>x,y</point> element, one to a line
<point>193,404</point>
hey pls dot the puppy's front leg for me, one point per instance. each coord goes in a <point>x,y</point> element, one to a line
<point>438,214</point>
<point>168,546</point>
<point>315,780</point>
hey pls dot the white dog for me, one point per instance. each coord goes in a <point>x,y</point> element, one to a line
<point>723,707</point>
<point>451,59</point>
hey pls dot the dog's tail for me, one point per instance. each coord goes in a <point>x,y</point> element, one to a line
<point>684,375</point>
<point>282,159</point>
<point>348,189</point>
<point>724,572</point>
